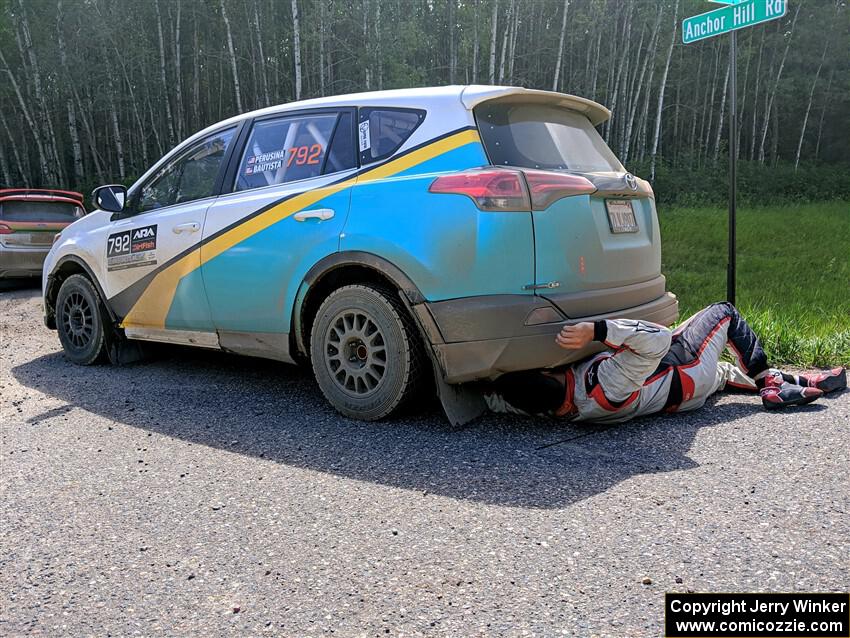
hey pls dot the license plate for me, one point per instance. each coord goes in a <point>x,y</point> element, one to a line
<point>29,239</point>
<point>621,216</point>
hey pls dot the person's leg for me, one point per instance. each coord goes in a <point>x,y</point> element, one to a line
<point>719,326</point>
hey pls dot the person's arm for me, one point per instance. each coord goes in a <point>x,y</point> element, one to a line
<point>638,347</point>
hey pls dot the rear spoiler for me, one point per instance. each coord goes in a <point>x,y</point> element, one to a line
<point>472,96</point>
<point>41,194</point>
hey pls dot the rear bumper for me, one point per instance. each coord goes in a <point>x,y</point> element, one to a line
<point>484,337</point>
<point>21,262</point>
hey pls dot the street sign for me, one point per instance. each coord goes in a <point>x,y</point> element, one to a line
<point>730,18</point>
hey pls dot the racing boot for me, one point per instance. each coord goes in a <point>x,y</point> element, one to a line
<point>826,380</point>
<point>777,393</point>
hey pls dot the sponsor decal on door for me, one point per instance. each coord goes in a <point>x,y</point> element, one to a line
<point>131,248</point>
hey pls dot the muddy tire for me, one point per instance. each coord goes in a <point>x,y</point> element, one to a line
<point>366,352</point>
<point>79,320</point>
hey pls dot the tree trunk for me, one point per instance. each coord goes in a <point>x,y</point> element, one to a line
<point>809,106</point>
<point>46,173</point>
<point>196,78</point>
<point>475,45</point>
<point>73,131</point>
<point>772,95</point>
<point>296,46</point>
<point>452,41</point>
<point>321,49</point>
<point>178,74</point>
<point>557,77</point>
<point>493,32</point>
<point>169,118</point>
<point>24,175</point>
<point>505,41</point>
<point>657,133</point>
<point>752,154</point>
<point>722,109</point>
<point>379,57</point>
<point>512,57</point>
<point>826,95</point>
<point>233,69</point>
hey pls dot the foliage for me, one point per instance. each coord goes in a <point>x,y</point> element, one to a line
<point>793,273</point>
<point>139,76</point>
<point>758,184</point>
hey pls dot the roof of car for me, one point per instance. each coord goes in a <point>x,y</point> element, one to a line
<point>468,96</point>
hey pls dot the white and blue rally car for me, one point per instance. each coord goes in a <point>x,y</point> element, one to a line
<point>392,239</point>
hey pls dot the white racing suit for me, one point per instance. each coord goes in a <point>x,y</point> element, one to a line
<point>648,369</point>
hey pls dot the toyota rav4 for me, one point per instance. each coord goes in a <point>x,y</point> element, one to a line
<point>391,239</point>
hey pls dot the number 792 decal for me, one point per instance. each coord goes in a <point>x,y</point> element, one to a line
<point>131,248</point>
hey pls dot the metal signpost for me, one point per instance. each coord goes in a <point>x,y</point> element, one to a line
<point>736,15</point>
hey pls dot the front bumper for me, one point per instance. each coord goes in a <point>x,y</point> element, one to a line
<point>485,337</point>
<point>21,262</point>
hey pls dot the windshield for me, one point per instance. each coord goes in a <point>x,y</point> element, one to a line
<point>542,136</point>
<point>53,212</point>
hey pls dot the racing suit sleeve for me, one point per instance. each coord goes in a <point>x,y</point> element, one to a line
<point>638,348</point>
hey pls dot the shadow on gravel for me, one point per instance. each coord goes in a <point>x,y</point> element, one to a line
<point>276,412</point>
<point>22,283</point>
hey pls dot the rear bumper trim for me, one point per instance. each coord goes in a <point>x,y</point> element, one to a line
<point>530,347</point>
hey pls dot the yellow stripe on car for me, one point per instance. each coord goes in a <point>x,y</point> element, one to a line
<point>152,306</point>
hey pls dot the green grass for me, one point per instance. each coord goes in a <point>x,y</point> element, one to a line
<point>793,274</point>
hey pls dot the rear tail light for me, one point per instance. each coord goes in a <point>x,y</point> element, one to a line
<point>5,230</point>
<point>547,188</point>
<point>508,190</point>
<point>490,189</point>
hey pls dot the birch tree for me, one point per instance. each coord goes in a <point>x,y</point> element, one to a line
<point>233,68</point>
<point>296,48</point>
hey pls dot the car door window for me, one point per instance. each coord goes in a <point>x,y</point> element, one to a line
<point>291,148</point>
<point>189,177</point>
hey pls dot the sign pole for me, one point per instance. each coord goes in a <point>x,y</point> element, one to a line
<point>733,158</point>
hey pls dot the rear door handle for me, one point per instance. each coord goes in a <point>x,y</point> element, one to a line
<point>188,227</point>
<point>316,213</point>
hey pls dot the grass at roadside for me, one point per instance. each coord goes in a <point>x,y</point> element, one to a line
<point>793,274</point>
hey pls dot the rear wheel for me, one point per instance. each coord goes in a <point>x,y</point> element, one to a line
<point>79,321</point>
<point>367,356</point>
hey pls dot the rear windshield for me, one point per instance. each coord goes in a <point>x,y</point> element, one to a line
<point>543,136</point>
<point>58,212</point>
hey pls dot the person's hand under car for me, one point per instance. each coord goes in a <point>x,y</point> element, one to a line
<point>576,336</point>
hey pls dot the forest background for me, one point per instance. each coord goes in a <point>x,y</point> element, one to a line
<point>95,91</point>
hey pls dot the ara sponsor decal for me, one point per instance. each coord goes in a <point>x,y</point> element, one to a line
<point>365,138</point>
<point>131,248</point>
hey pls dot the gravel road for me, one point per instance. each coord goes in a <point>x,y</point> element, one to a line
<point>200,494</point>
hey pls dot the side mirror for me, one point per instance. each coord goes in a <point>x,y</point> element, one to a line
<point>110,198</point>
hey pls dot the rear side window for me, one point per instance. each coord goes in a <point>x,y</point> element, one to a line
<point>52,212</point>
<point>381,132</point>
<point>288,149</point>
<point>543,136</point>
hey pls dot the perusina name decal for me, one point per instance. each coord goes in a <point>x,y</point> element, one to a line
<point>131,248</point>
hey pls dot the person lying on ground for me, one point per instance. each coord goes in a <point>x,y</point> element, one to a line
<point>647,369</point>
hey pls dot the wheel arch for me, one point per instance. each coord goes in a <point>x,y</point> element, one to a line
<point>341,269</point>
<point>65,267</point>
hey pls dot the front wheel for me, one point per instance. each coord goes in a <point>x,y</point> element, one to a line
<point>79,321</point>
<point>366,353</point>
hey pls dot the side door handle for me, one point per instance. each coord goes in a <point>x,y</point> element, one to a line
<point>317,213</point>
<point>188,227</point>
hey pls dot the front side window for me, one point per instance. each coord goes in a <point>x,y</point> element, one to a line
<point>291,148</point>
<point>383,131</point>
<point>190,176</point>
